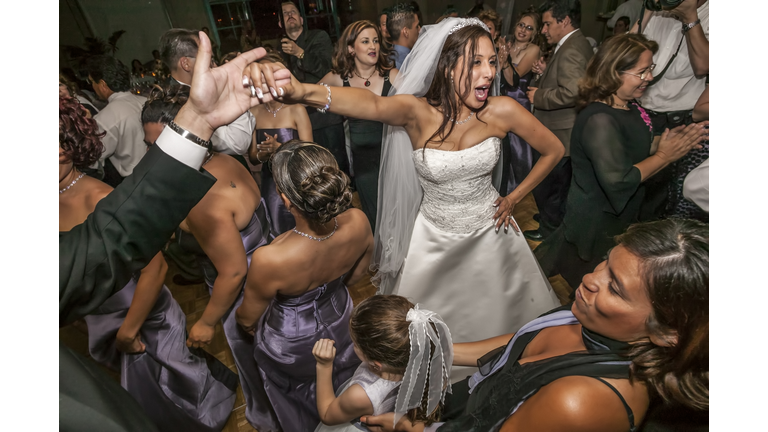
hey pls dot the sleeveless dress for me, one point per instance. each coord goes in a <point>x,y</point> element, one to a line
<point>283,343</point>
<point>179,388</point>
<point>365,137</point>
<point>483,402</point>
<point>258,411</point>
<point>381,392</point>
<point>281,219</point>
<point>457,265</point>
<point>521,160</point>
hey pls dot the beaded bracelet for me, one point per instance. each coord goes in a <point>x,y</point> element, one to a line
<point>328,104</point>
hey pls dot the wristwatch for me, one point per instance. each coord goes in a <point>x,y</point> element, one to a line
<point>689,26</point>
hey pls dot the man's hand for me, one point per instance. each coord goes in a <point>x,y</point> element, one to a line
<point>686,11</point>
<point>531,91</point>
<point>218,96</point>
<point>289,47</point>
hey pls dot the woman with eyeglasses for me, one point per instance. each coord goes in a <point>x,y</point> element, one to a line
<point>613,152</point>
<point>517,58</point>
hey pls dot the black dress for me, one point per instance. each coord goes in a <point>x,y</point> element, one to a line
<point>606,192</point>
<point>365,137</point>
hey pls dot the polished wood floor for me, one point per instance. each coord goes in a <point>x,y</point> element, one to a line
<point>194,298</point>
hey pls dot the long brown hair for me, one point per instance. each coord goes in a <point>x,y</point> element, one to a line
<point>674,256</point>
<point>441,92</point>
<point>616,55</point>
<point>380,330</point>
<point>344,61</point>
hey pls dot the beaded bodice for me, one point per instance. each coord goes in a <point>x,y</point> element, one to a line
<point>458,193</point>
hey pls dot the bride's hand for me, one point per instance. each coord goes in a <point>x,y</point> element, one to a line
<point>275,80</point>
<point>503,215</point>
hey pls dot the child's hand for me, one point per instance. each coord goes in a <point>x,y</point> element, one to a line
<point>324,352</point>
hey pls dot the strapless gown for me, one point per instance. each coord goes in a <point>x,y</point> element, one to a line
<point>283,345</point>
<point>482,283</point>
<point>281,220</point>
<point>258,411</point>
<point>178,388</point>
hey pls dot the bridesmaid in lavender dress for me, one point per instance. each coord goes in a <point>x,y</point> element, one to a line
<point>296,289</point>
<point>518,57</point>
<point>276,124</point>
<point>222,231</point>
<point>140,331</point>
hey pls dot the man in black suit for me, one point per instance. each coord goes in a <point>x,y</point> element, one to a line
<point>129,227</point>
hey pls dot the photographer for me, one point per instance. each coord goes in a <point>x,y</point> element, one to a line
<point>308,54</point>
<point>681,28</point>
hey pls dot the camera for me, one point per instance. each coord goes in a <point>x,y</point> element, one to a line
<point>657,5</point>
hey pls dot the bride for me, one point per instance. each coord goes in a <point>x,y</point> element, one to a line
<point>439,240</point>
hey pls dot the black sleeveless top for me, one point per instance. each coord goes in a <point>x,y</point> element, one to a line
<point>493,399</point>
<point>365,133</point>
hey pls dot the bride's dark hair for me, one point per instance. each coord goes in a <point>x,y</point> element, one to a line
<point>441,92</point>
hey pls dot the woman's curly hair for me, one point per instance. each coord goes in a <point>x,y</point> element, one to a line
<point>311,179</point>
<point>79,136</point>
<point>163,104</point>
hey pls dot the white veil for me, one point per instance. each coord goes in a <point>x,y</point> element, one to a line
<point>400,192</point>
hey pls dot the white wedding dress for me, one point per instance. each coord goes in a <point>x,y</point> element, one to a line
<point>482,283</point>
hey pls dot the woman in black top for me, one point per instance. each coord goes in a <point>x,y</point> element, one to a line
<point>613,152</point>
<point>361,61</point>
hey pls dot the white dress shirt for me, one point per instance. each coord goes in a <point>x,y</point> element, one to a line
<point>678,89</point>
<point>124,139</point>
<point>696,186</point>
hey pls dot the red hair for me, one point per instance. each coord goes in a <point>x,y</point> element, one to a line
<point>79,136</point>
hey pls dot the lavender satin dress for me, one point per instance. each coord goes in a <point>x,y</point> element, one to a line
<point>258,410</point>
<point>285,336</point>
<point>178,388</point>
<point>521,160</point>
<point>282,219</point>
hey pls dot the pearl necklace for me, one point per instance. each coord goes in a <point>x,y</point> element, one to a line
<point>463,121</point>
<point>319,238</point>
<point>274,113</point>
<point>61,191</point>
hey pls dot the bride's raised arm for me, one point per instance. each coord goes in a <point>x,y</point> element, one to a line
<point>399,110</point>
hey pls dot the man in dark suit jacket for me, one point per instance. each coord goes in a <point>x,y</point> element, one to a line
<point>554,104</point>
<point>129,227</point>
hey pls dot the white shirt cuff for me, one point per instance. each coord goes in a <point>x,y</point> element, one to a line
<point>181,149</point>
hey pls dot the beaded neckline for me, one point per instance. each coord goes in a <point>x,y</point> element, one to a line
<point>336,226</point>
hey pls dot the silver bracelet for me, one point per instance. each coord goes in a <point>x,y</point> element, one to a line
<point>328,104</point>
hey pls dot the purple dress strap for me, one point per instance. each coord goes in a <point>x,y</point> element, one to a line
<point>281,219</point>
<point>179,389</point>
<point>284,339</point>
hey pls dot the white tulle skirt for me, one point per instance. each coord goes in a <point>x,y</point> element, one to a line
<point>482,283</point>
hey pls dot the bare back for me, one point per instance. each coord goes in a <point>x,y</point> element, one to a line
<point>235,194</point>
<point>79,201</point>
<point>293,264</point>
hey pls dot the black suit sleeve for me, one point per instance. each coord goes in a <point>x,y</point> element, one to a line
<point>127,229</point>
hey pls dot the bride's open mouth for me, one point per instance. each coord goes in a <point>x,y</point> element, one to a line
<point>481,93</point>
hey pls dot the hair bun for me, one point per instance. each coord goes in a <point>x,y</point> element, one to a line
<point>326,193</point>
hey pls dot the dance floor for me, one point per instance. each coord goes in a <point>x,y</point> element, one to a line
<point>194,298</point>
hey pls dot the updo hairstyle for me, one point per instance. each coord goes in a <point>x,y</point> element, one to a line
<point>79,136</point>
<point>674,257</point>
<point>163,104</point>
<point>311,179</point>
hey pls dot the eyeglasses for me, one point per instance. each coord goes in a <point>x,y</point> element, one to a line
<point>522,26</point>
<point>644,73</point>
